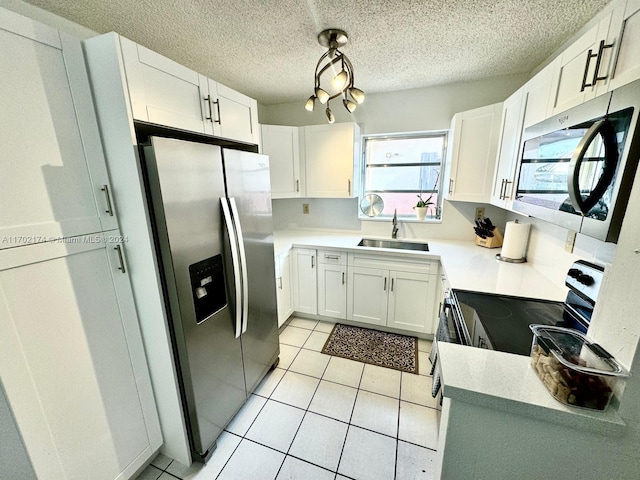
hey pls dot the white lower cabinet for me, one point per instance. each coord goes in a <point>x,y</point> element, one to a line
<point>411,301</point>
<point>305,280</point>
<point>367,297</point>
<point>332,284</point>
<point>283,284</point>
<point>390,292</point>
<point>72,360</point>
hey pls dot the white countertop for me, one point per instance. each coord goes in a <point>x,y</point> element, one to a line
<point>466,265</point>
<point>484,377</point>
<point>506,382</point>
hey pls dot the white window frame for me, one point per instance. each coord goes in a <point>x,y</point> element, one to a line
<point>386,215</point>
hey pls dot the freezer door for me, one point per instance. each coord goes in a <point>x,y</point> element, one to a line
<point>186,181</point>
<point>248,189</point>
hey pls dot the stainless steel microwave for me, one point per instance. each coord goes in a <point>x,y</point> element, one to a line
<point>576,169</point>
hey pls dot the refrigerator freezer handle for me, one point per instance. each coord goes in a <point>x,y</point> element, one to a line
<point>236,265</point>
<point>243,263</point>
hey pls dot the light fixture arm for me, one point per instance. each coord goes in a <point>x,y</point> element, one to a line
<point>333,40</point>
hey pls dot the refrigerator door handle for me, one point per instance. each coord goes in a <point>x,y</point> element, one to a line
<point>243,264</point>
<point>236,265</point>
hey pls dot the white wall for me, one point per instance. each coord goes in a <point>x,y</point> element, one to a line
<point>342,214</point>
<point>429,108</point>
<point>545,250</point>
<point>404,111</point>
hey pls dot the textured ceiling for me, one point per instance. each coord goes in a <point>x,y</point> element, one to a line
<point>268,50</point>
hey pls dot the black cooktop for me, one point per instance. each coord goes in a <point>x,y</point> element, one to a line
<point>506,319</point>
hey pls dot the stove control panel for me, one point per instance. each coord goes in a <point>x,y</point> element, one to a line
<point>585,279</point>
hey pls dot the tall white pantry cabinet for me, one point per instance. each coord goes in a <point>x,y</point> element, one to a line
<point>72,362</point>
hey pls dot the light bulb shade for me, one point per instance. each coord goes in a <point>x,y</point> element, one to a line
<point>356,94</point>
<point>349,105</point>
<point>322,96</point>
<point>340,80</point>
<point>310,103</point>
<point>330,115</point>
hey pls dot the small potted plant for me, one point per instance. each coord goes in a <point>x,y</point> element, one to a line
<point>423,205</point>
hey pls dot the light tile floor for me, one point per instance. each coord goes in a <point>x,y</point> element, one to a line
<point>318,417</point>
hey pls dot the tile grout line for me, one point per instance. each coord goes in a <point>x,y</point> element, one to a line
<point>303,416</point>
<point>344,443</point>
<point>395,465</point>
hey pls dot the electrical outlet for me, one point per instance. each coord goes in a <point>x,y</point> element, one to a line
<point>305,208</point>
<point>571,240</point>
<point>479,213</point>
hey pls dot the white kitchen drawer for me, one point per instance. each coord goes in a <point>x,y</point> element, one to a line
<point>332,257</point>
<point>391,262</point>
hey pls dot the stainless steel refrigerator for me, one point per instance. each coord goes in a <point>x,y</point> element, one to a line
<point>211,209</point>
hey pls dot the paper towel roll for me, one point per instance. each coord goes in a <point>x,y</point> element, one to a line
<point>515,240</point>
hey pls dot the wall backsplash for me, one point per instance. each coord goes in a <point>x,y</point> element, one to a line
<point>342,214</point>
<point>545,251</point>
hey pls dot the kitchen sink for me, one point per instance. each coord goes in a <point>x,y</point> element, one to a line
<point>399,244</point>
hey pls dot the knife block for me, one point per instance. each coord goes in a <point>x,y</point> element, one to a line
<point>490,242</point>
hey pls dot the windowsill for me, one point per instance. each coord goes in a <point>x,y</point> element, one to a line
<point>426,221</point>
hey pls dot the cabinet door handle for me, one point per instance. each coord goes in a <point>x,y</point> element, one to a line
<point>297,185</point>
<point>118,249</point>
<point>590,55</point>
<point>392,284</point>
<point>501,196</point>
<point>109,210</point>
<point>332,257</point>
<point>217,104</point>
<point>349,187</point>
<point>312,261</point>
<point>207,102</point>
<point>506,184</point>
<point>385,284</point>
<point>343,278</point>
<point>601,48</point>
<point>450,185</point>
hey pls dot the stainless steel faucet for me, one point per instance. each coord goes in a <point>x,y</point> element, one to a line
<point>394,231</point>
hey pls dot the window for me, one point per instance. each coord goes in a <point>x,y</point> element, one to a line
<point>400,167</point>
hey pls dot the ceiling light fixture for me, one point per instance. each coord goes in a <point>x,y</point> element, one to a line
<point>342,81</point>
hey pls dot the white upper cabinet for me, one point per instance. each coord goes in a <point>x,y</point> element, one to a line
<point>626,66</point>
<point>282,145</point>
<point>535,97</point>
<point>54,178</point>
<point>583,70</point>
<point>166,93</point>
<point>235,115</point>
<point>471,159</point>
<point>511,130</point>
<point>331,153</point>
